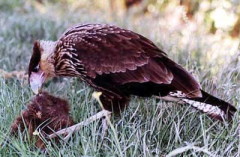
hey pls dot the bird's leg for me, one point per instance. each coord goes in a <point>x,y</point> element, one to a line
<point>105,125</point>
<point>70,130</point>
<point>106,120</point>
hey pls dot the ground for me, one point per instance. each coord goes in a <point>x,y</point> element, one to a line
<point>148,127</point>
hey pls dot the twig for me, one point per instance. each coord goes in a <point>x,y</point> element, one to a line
<point>189,147</point>
<point>77,127</point>
<point>21,75</point>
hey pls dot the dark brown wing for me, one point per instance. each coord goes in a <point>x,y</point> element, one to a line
<point>123,55</point>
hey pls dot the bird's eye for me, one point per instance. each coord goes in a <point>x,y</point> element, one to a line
<point>36,69</point>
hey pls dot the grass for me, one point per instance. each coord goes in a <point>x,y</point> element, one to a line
<point>149,127</point>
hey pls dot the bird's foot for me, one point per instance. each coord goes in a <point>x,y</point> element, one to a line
<point>105,123</point>
<point>70,130</point>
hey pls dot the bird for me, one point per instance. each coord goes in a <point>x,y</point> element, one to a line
<point>120,64</point>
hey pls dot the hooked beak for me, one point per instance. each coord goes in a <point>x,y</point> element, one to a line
<point>36,80</point>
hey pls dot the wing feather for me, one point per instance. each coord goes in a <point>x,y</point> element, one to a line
<point>124,56</point>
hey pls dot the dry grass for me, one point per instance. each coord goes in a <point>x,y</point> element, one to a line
<point>149,127</point>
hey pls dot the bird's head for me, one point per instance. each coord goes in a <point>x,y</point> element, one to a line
<point>41,65</point>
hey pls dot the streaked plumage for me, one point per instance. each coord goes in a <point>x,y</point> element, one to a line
<point>119,63</point>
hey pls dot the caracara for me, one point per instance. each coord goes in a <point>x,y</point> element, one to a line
<point>119,63</point>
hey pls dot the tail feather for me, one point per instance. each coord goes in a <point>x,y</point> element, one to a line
<point>212,106</point>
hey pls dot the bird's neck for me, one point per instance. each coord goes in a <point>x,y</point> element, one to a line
<point>47,49</point>
<point>47,60</point>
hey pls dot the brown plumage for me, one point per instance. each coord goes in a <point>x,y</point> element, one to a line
<point>45,113</point>
<point>119,63</point>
